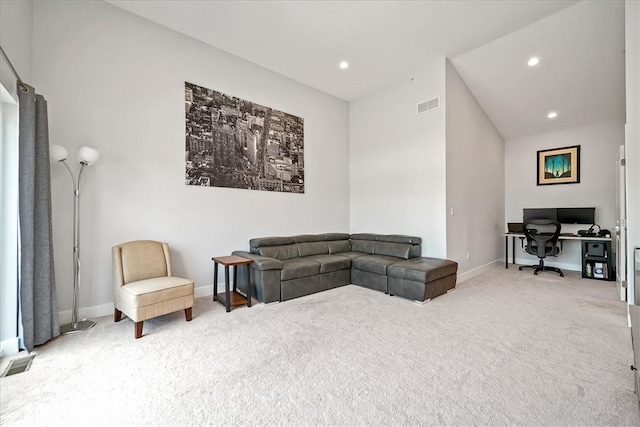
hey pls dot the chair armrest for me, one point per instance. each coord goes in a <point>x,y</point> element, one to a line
<point>260,262</point>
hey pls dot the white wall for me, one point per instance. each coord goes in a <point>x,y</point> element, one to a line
<point>475,179</point>
<point>16,26</point>
<point>599,147</point>
<point>16,29</point>
<point>632,144</point>
<point>115,82</point>
<point>397,160</point>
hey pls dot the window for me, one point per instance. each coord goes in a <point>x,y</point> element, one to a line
<point>9,259</point>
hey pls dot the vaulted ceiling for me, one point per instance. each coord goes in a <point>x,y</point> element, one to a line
<point>580,75</point>
<point>580,45</point>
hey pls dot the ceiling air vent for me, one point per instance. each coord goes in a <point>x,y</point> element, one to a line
<point>429,105</point>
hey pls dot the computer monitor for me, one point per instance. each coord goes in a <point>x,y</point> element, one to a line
<point>577,215</point>
<point>539,213</point>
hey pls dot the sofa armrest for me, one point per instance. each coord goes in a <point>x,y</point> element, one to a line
<point>265,276</point>
<point>260,262</point>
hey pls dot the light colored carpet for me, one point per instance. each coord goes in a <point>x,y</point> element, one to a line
<point>505,348</point>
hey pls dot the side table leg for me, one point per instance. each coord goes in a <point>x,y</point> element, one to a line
<point>226,288</point>
<point>235,278</point>
<point>215,281</point>
<point>248,285</point>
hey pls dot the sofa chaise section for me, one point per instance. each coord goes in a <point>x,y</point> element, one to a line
<point>422,278</point>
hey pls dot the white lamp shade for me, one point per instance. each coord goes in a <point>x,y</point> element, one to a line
<point>88,155</point>
<point>58,153</point>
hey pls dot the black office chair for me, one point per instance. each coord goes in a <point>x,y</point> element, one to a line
<point>542,241</point>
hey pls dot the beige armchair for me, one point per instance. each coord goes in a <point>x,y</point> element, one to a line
<point>143,285</point>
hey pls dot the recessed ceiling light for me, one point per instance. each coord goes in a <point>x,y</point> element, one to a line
<point>552,115</point>
<point>344,65</point>
<point>533,61</point>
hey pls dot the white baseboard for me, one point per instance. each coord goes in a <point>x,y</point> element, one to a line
<point>86,313</point>
<point>475,272</point>
<point>9,347</point>
<point>107,309</point>
<point>206,291</point>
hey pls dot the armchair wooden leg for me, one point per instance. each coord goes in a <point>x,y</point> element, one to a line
<point>188,313</point>
<point>138,329</point>
<point>117,315</point>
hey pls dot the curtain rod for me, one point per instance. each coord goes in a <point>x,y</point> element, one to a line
<point>24,88</point>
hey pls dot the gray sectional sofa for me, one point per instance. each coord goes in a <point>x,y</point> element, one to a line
<point>292,266</point>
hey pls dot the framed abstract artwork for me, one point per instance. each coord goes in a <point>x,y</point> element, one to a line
<point>559,166</point>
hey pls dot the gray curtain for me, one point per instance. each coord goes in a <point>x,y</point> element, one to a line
<point>38,301</point>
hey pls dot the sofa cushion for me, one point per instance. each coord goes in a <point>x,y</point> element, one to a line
<point>313,248</point>
<point>365,246</point>
<point>374,263</point>
<point>400,250</point>
<point>279,252</point>
<point>392,238</point>
<point>299,267</point>
<point>400,238</point>
<point>271,241</point>
<point>364,236</point>
<point>336,246</point>
<point>336,236</point>
<point>423,269</point>
<point>302,238</point>
<point>352,255</point>
<point>329,263</point>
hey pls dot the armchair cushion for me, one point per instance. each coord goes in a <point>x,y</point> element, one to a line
<point>143,259</point>
<point>156,290</point>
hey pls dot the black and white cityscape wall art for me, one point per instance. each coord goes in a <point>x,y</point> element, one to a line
<point>235,143</point>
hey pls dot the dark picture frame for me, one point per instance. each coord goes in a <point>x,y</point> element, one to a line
<point>559,166</point>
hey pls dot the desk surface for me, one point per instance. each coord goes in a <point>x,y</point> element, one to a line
<point>564,237</point>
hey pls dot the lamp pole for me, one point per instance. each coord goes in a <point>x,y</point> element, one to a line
<point>84,324</point>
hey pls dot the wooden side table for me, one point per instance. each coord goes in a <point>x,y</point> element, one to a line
<point>231,297</point>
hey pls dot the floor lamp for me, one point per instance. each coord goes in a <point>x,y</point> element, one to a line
<point>86,157</point>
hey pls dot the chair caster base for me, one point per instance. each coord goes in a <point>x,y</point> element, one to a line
<point>538,268</point>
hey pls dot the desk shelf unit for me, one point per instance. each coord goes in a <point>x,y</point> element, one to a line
<point>598,260</point>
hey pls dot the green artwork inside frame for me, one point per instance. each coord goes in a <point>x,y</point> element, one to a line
<point>559,166</point>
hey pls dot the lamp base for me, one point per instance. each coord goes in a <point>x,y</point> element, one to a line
<point>82,326</point>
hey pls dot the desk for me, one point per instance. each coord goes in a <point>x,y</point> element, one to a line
<point>521,236</point>
<point>231,298</point>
